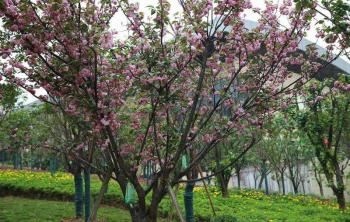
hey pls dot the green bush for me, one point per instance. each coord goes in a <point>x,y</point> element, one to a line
<point>224,218</point>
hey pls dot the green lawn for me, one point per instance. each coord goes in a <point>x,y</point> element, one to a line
<point>245,205</point>
<point>14,209</point>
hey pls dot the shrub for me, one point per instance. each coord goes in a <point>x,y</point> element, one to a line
<point>223,218</point>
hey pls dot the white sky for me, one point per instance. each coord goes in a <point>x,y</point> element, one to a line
<point>120,21</point>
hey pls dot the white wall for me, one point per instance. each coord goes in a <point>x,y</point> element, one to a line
<point>310,184</point>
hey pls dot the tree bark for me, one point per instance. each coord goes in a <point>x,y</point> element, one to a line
<point>338,190</point>
<point>264,176</point>
<point>293,179</point>
<point>340,198</point>
<point>320,185</point>
<point>283,185</point>
<point>261,182</point>
<point>137,214</point>
<point>97,203</point>
<point>321,189</point>
<point>238,173</point>
<point>266,185</point>
<point>224,189</point>
<point>295,187</point>
<point>255,181</point>
<point>318,178</point>
<point>278,181</point>
<point>140,212</point>
<point>223,183</point>
<point>340,187</point>
<point>221,176</point>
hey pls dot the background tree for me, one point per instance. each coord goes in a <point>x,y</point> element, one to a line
<point>325,118</point>
<point>275,145</point>
<point>231,150</point>
<point>9,95</point>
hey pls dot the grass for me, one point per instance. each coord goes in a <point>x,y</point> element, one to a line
<point>14,209</point>
<point>255,206</point>
<point>58,187</point>
<point>245,205</point>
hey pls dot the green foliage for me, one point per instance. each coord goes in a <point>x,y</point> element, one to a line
<point>225,218</point>
<point>23,131</point>
<point>340,11</point>
<point>303,4</point>
<point>327,121</point>
<point>334,18</point>
<point>9,96</point>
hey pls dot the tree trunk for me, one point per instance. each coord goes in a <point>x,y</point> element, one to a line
<point>340,187</point>
<point>295,187</point>
<point>339,193</point>
<point>224,189</point>
<point>266,185</point>
<point>303,186</point>
<point>278,181</point>
<point>238,173</point>
<point>283,185</point>
<point>103,190</point>
<point>78,185</point>
<point>137,214</point>
<point>223,183</point>
<point>318,178</point>
<point>293,180</point>
<point>319,182</point>
<point>221,175</point>
<point>17,161</point>
<point>264,176</point>
<point>338,190</point>
<point>261,182</point>
<point>141,214</point>
<point>87,193</point>
<point>188,200</point>
<point>139,211</point>
<point>321,189</point>
<point>20,161</point>
<point>255,181</point>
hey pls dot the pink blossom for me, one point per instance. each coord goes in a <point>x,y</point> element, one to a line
<point>347,87</point>
<point>207,138</point>
<point>106,40</point>
<point>8,71</point>
<point>85,73</point>
<point>318,98</point>
<point>105,122</point>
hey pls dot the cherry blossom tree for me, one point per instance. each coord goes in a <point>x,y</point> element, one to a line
<point>150,96</point>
